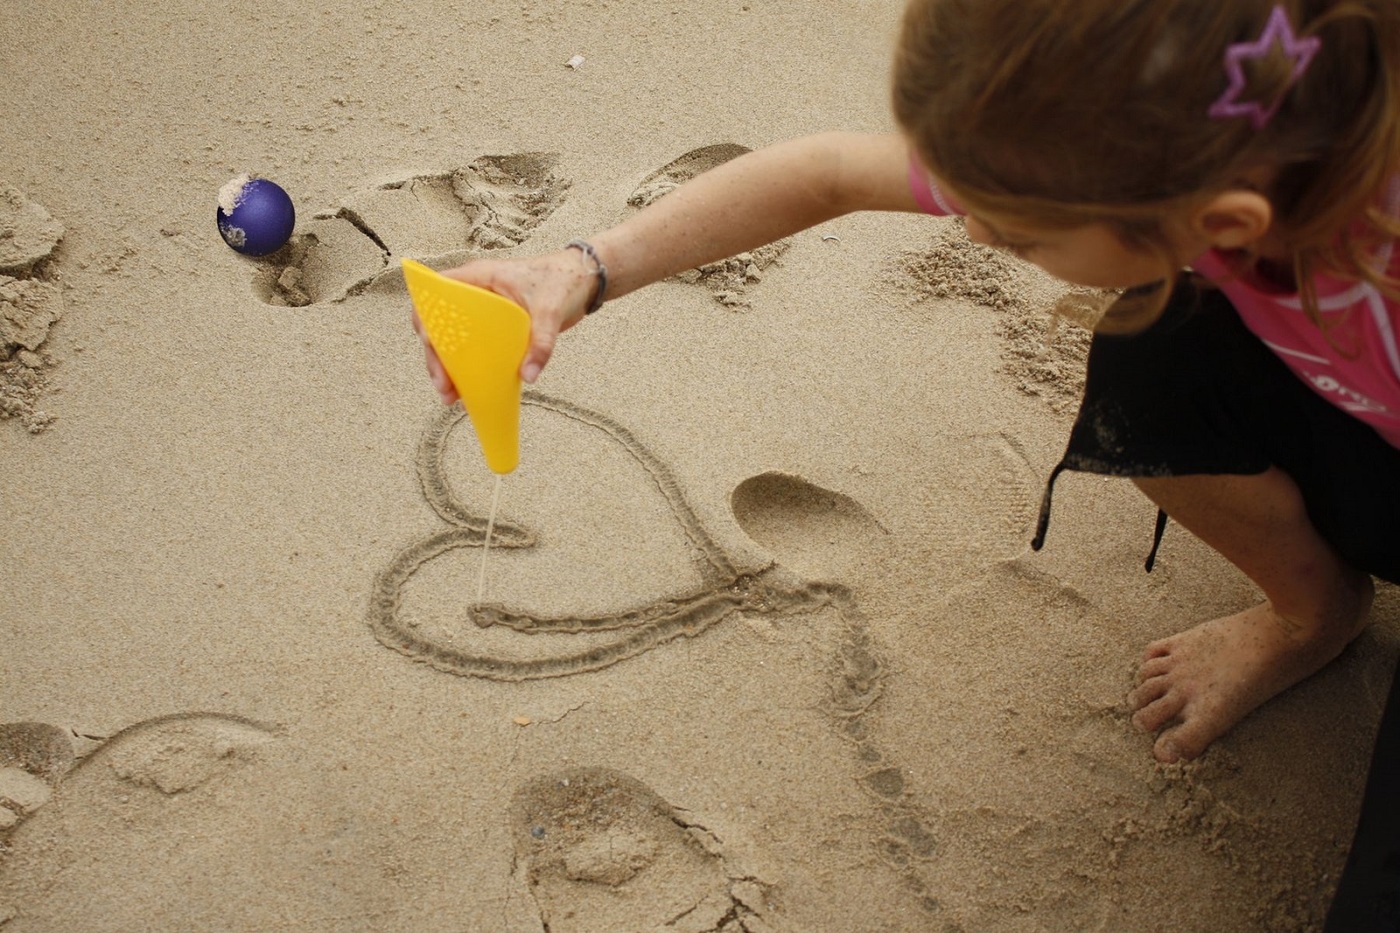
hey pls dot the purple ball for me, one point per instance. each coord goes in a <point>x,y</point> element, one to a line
<point>255,216</point>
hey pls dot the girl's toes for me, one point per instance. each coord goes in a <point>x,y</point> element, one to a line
<point>1148,691</point>
<point>1183,742</point>
<point>1158,649</point>
<point>1153,667</point>
<point>1153,714</point>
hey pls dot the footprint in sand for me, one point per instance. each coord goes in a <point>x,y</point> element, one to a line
<point>31,302</point>
<point>982,511</point>
<point>169,753</point>
<point>491,204</point>
<point>204,821</point>
<point>39,768</point>
<point>823,534</point>
<point>174,754</point>
<point>728,279</point>
<point>34,757</point>
<point>817,532</point>
<point>599,850</point>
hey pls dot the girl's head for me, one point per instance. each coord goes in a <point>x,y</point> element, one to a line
<point>1067,113</point>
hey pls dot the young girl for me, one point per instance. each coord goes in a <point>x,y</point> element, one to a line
<point>1256,397</point>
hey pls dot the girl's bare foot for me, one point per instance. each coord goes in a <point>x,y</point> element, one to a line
<point>1194,686</point>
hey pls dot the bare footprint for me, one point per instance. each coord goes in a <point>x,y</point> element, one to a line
<point>817,532</point>
<point>600,851</point>
<point>728,279</point>
<point>491,204</point>
<point>679,171</point>
<point>31,302</point>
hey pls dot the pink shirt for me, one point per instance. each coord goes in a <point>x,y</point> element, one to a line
<point>1355,364</point>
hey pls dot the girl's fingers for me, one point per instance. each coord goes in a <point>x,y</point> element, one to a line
<point>551,288</point>
<point>441,381</point>
<point>436,371</point>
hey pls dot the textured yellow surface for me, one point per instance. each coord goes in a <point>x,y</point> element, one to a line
<point>481,339</point>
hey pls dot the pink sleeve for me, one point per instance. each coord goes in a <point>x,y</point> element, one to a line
<point>930,198</point>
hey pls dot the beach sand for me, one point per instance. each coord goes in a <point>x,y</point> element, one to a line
<point>764,647</point>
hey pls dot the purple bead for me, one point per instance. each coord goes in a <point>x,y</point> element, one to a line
<point>262,218</point>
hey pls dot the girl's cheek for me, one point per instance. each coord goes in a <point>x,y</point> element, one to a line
<point>977,232</point>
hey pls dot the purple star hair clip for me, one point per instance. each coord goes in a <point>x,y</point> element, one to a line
<point>1278,32</point>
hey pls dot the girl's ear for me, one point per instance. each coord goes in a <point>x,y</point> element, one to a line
<point>1234,219</point>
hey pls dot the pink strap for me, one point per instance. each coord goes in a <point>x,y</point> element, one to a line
<point>930,198</point>
<point>922,189</point>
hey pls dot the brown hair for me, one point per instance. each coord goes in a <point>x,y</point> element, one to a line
<point>1068,112</point>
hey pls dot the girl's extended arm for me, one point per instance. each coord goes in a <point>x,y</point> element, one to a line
<point>755,199</point>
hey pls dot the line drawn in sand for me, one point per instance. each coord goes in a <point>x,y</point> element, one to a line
<point>723,589</point>
<point>491,204</point>
<point>903,839</point>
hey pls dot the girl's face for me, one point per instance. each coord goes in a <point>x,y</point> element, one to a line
<point>1091,255</point>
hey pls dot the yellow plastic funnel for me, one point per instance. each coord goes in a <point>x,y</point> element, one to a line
<point>481,339</point>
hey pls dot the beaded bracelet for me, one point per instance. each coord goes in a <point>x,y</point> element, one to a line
<point>599,269</point>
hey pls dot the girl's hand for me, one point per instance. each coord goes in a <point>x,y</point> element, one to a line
<point>436,371</point>
<point>554,289</point>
